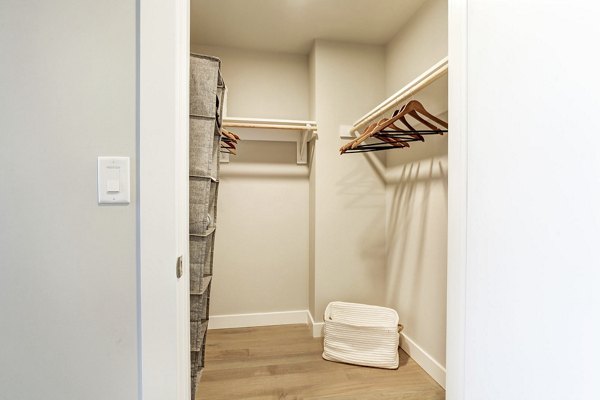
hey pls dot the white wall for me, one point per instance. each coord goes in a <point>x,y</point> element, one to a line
<point>417,194</point>
<point>68,265</point>
<point>261,249</point>
<point>533,222</point>
<point>349,202</point>
<point>163,207</point>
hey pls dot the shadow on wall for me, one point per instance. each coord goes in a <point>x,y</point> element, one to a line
<point>372,247</point>
<point>359,189</point>
<point>416,237</point>
<point>361,194</point>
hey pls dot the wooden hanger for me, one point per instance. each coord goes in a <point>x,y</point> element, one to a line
<point>228,147</point>
<point>229,141</point>
<point>391,134</point>
<point>230,135</point>
<point>228,151</point>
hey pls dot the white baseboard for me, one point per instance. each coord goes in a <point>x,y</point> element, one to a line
<point>317,327</point>
<point>421,357</point>
<point>258,319</point>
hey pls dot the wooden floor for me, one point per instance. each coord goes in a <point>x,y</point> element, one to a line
<point>284,362</point>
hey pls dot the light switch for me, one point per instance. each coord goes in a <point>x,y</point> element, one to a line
<point>113,180</point>
<point>112,186</point>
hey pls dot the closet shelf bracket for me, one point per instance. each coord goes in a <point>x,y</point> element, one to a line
<point>223,157</point>
<point>276,130</point>
<point>302,142</point>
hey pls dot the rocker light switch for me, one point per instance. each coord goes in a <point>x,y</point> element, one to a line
<point>113,180</point>
<point>112,186</point>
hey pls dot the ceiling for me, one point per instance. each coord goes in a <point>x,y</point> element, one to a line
<point>292,25</point>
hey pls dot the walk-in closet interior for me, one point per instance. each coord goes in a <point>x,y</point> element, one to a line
<point>310,211</point>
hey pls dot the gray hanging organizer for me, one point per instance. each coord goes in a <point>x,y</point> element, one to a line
<point>206,106</point>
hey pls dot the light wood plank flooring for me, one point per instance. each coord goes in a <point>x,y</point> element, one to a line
<point>284,362</point>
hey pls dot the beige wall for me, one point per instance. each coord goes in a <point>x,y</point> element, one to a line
<point>349,204</point>
<point>67,265</point>
<point>417,190</point>
<point>261,249</point>
<point>264,202</point>
<point>418,45</point>
<point>339,231</point>
<point>263,84</point>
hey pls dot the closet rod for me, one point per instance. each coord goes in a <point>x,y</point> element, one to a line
<point>425,79</point>
<point>269,126</point>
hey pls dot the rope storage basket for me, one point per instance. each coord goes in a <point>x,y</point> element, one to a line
<point>361,334</point>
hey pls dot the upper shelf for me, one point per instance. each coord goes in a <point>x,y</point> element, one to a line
<point>275,130</point>
<point>438,70</point>
<point>264,123</point>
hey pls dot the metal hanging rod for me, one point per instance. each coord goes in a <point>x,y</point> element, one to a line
<point>400,134</point>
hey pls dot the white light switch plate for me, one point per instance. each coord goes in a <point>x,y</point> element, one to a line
<point>113,180</point>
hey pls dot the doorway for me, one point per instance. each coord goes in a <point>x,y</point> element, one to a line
<point>314,305</point>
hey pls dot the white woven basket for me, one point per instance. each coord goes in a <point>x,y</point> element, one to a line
<point>361,334</point>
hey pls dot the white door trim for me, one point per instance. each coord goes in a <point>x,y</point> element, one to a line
<point>163,51</point>
<point>182,87</point>
<point>163,34</point>
<point>457,198</point>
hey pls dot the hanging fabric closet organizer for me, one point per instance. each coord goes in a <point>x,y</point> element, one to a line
<point>206,106</point>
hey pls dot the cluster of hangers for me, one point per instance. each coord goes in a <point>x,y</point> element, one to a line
<point>229,142</point>
<point>392,136</point>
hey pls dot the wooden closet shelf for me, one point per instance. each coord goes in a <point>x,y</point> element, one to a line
<point>275,130</point>
<point>265,123</point>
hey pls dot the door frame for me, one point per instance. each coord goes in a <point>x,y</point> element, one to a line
<point>163,307</point>
<point>457,199</point>
<point>163,46</point>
